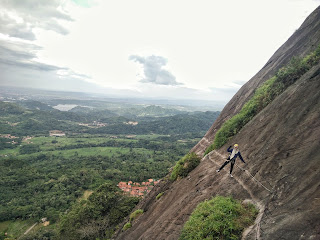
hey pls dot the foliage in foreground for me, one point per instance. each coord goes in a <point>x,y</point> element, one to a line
<point>98,216</point>
<point>264,95</point>
<point>184,166</point>
<point>219,218</point>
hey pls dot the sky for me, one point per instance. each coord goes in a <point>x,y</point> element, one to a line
<point>177,49</point>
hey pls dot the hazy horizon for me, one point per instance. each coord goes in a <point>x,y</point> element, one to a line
<point>9,93</point>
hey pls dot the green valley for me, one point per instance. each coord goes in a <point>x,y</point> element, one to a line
<point>53,162</point>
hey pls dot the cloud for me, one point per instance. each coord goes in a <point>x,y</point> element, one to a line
<point>9,27</point>
<point>31,78</point>
<point>153,70</point>
<point>19,18</point>
<point>20,67</point>
<point>22,55</point>
<point>37,8</point>
<point>19,59</point>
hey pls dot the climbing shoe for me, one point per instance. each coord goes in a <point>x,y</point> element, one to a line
<point>218,170</point>
<point>231,175</point>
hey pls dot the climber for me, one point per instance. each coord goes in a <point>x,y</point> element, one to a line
<point>234,153</point>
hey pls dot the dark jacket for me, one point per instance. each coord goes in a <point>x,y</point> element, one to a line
<point>235,156</point>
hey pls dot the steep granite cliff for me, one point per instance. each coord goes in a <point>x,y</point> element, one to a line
<point>281,147</point>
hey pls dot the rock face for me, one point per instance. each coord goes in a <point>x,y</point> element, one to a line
<point>281,146</point>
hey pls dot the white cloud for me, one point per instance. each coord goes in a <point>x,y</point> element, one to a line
<point>19,18</point>
<point>153,70</point>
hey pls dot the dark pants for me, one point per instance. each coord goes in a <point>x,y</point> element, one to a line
<point>226,162</point>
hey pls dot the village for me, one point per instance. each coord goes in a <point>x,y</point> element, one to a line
<point>136,189</point>
<point>131,123</point>
<point>94,124</point>
<point>26,139</point>
<point>56,133</point>
<point>10,137</point>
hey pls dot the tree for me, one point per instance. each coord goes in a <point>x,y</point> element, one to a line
<point>98,216</point>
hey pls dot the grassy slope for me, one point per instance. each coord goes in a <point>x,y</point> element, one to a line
<point>15,228</point>
<point>47,147</point>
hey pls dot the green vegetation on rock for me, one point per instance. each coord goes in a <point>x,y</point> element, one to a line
<point>185,165</point>
<point>159,195</point>
<point>127,226</point>
<point>135,214</point>
<point>219,218</point>
<point>264,95</point>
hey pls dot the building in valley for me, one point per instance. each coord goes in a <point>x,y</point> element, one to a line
<point>137,189</point>
<point>56,133</point>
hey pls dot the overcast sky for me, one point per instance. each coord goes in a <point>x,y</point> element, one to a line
<point>191,49</point>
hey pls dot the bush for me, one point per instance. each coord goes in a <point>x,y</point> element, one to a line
<point>29,149</point>
<point>264,95</point>
<point>127,226</point>
<point>219,218</point>
<point>135,214</point>
<point>184,166</point>
<point>159,196</point>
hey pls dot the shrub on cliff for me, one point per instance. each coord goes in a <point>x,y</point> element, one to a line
<point>184,166</point>
<point>159,195</point>
<point>135,214</point>
<point>219,218</point>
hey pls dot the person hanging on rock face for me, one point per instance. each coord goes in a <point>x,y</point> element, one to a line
<point>235,152</point>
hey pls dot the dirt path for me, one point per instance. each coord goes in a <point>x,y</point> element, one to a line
<point>30,228</point>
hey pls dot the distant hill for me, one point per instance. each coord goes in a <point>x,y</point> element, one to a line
<point>177,124</point>
<point>157,111</point>
<point>7,108</point>
<point>21,121</point>
<point>35,105</point>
